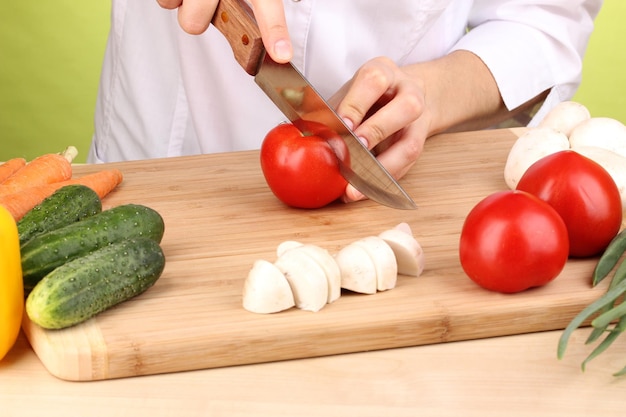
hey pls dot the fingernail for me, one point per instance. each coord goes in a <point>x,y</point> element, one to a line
<point>350,125</point>
<point>357,196</point>
<point>352,195</point>
<point>282,50</point>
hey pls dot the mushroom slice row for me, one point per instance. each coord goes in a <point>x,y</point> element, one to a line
<point>309,277</point>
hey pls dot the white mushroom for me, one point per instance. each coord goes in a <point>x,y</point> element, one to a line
<point>602,132</point>
<point>306,278</point>
<point>323,258</point>
<point>533,145</point>
<point>408,251</point>
<point>384,261</point>
<point>404,227</point>
<point>612,162</point>
<point>266,289</point>
<point>565,116</point>
<point>358,272</point>
<point>285,246</point>
<point>327,262</point>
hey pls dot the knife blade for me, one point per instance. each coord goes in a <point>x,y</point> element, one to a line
<point>298,100</point>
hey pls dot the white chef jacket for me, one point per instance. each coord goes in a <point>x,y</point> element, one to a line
<point>165,93</point>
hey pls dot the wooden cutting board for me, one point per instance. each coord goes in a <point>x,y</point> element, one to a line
<point>220,217</point>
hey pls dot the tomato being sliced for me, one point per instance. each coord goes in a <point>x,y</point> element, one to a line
<point>512,241</point>
<point>584,195</point>
<point>300,165</point>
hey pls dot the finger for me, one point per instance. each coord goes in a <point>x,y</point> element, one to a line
<point>398,157</point>
<point>169,4</point>
<point>194,16</point>
<point>400,165</point>
<point>352,195</point>
<point>371,82</point>
<point>402,110</point>
<point>270,16</point>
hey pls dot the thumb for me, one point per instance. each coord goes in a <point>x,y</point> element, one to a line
<point>270,16</point>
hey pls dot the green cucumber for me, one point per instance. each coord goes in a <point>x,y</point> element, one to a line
<point>67,205</point>
<point>91,284</point>
<point>43,253</point>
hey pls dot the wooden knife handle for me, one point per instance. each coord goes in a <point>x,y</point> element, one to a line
<point>235,20</point>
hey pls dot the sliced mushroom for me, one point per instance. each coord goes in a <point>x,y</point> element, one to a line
<point>384,261</point>
<point>404,227</point>
<point>306,278</point>
<point>266,289</point>
<point>358,272</point>
<point>408,251</point>
<point>325,260</point>
<point>285,246</point>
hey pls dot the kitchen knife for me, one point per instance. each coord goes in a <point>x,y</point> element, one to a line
<point>298,100</point>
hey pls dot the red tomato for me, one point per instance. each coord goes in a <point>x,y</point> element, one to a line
<point>512,241</point>
<point>584,195</point>
<point>300,166</point>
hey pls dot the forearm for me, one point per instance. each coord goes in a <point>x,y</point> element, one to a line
<point>461,94</point>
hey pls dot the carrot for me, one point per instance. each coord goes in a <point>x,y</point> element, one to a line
<point>10,167</point>
<point>44,169</point>
<point>102,182</point>
<point>21,202</point>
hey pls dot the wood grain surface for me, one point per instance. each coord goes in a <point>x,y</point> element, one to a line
<point>220,217</point>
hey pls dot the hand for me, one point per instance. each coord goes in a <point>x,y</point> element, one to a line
<point>385,106</point>
<point>194,17</point>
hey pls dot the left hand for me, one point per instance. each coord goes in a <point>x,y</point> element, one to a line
<point>386,108</point>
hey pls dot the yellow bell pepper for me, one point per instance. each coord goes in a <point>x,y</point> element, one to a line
<point>11,284</point>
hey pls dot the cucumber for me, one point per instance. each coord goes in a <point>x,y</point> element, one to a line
<point>43,253</point>
<point>67,205</point>
<point>88,285</point>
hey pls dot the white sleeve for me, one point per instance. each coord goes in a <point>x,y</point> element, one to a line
<point>531,46</point>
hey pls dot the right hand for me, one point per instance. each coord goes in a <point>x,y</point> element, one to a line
<point>386,107</point>
<point>194,17</point>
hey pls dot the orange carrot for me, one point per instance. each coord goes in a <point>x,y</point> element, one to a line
<point>10,167</point>
<point>21,202</point>
<point>102,182</point>
<point>44,169</point>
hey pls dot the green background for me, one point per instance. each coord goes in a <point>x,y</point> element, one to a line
<point>50,58</point>
<point>51,53</point>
